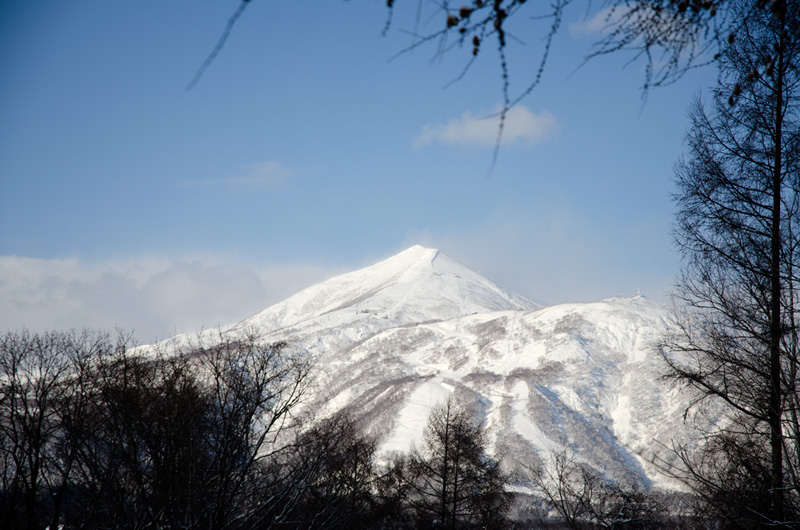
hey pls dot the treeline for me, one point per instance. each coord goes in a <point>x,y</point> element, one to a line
<point>95,434</point>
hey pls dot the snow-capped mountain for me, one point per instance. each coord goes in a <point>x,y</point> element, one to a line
<point>417,285</point>
<point>394,339</point>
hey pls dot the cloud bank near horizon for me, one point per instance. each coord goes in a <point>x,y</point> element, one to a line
<point>154,298</point>
<point>159,297</point>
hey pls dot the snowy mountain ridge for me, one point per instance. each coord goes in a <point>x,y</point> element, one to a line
<point>394,339</point>
<point>418,283</point>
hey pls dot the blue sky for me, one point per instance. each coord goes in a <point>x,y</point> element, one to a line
<point>126,200</point>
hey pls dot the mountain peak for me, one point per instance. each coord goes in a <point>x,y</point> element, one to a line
<point>417,284</point>
<point>416,250</point>
<point>416,255</point>
<point>392,339</point>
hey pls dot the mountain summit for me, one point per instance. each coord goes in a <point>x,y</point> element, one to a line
<point>394,339</point>
<point>418,284</point>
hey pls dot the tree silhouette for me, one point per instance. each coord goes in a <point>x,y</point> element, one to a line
<point>453,483</point>
<point>738,227</point>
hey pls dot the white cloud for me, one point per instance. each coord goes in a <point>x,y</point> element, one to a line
<point>263,176</point>
<point>522,126</point>
<point>154,297</point>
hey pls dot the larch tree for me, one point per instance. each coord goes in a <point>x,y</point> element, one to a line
<point>738,227</point>
<point>453,482</point>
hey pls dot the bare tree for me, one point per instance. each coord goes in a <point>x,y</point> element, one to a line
<point>332,465</point>
<point>673,36</point>
<point>567,488</point>
<point>255,387</point>
<point>582,498</point>
<point>178,439</point>
<point>738,227</point>
<point>42,386</point>
<point>452,482</point>
<point>142,460</point>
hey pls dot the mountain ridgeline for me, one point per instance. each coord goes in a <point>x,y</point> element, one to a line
<point>393,340</point>
<point>414,393</point>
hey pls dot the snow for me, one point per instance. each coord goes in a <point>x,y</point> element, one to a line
<point>416,285</point>
<point>394,339</point>
<point>413,417</point>
<point>523,423</point>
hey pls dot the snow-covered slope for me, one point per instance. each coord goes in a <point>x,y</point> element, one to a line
<point>416,285</point>
<point>394,339</point>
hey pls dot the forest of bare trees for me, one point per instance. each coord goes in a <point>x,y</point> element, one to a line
<point>97,434</point>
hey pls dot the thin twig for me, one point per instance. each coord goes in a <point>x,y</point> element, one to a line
<point>220,44</point>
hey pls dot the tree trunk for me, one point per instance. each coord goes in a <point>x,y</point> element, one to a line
<point>775,398</point>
